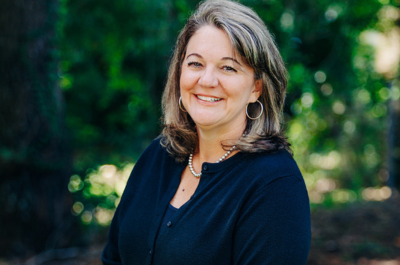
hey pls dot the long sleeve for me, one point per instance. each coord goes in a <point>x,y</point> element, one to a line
<point>274,227</point>
<point>110,255</point>
<point>248,209</point>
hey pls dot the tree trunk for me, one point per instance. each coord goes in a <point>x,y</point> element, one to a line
<point>394,143</point>
<point>35,161</point>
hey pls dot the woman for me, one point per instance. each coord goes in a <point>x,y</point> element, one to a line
<point>219,186</point>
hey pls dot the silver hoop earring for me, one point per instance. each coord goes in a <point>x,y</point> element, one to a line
<point>180,105</point>
<point>259,115</point>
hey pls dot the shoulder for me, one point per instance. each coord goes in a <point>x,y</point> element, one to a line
<point>273,179</point>
<point>154,146</point>
<point>154,151</point>
<point>271,166</point>
<point>151,164</point>
<point>152,160</point>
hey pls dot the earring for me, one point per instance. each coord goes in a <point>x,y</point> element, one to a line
<point>261,112</point>
<point>180,104</point>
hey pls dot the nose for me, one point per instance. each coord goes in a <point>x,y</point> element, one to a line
<point>208,78</point>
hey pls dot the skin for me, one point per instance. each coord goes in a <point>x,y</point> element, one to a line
<point>211,69</point>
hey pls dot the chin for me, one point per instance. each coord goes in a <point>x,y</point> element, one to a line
<point>205,121</point>
<point>205,118</point>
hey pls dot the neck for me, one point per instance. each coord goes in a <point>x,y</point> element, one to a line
<point>210,148</point>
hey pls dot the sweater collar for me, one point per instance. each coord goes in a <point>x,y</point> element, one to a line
<point>208,167</point>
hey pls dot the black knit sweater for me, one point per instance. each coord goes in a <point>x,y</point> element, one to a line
<point>248,209</point>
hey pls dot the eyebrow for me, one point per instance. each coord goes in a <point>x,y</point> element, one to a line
<point>194,54</point>
<point>232,59</point>
<point>223,58</point>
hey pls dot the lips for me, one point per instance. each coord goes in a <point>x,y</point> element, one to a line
<point>208,99</point>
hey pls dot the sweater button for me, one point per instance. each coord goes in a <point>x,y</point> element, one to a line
<point>169,224</point>
<point>205,167</point>
<point>151,251</point>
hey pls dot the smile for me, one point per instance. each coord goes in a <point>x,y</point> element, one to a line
<point>208,99</point>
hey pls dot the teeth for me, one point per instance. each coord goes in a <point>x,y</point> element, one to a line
<point>209,99</point>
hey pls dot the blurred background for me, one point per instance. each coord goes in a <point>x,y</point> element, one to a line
<point>81,83</point>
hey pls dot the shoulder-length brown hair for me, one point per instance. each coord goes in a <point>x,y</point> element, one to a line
<point>251,39</point>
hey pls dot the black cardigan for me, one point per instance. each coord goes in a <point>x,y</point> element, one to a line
<point>248,209</point>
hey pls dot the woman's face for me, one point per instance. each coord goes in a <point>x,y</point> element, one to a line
<point>215,84</point>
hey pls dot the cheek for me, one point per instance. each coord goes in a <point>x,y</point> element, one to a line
<point>239,89</point>
<point>187,80</point>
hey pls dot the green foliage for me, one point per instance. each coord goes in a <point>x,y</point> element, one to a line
<point>114,58</point>
<point>337,103</point>
<point>98,193</point>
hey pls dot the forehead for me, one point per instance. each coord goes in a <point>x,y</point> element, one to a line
<point>210,40</point>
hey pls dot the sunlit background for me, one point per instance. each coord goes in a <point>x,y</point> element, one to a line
<point>342,116</point>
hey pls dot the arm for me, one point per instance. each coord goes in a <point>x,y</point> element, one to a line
<point>274,227</point>
<point>152,155</point>
<point>110,255</point>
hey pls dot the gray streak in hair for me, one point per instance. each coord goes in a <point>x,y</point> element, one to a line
<point>251,39</point>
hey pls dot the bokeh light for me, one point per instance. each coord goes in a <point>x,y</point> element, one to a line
<point>103,187</point>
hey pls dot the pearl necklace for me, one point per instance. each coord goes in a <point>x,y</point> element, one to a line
<point>219,160</point>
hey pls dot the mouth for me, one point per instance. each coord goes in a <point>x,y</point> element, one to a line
<point>208,99</point>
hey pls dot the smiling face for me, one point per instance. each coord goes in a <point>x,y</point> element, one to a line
<point>215,84</point>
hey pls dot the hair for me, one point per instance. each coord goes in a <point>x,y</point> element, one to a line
<point>250,39</point>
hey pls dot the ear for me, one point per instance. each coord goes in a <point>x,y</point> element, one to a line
<point>256,93</point>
